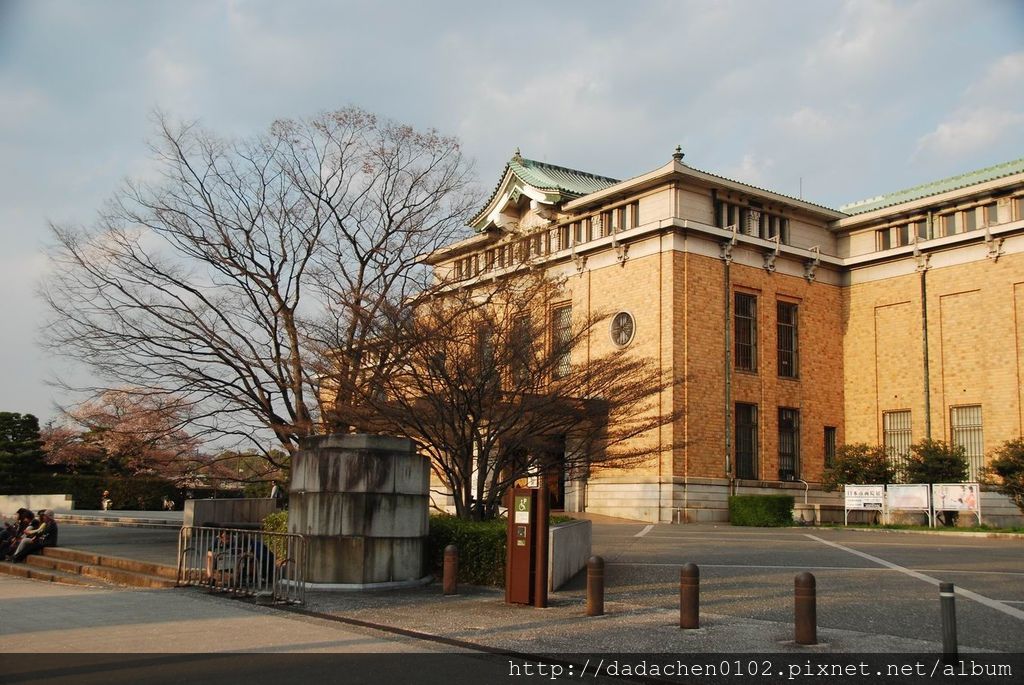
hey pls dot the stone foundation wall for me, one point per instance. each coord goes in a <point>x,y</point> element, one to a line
<point>361,501</point>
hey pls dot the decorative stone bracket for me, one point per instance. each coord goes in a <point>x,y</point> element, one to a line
<point>772,255</point>
<point>994,245</point>
<point>727,246</point>
<point>811,265</point>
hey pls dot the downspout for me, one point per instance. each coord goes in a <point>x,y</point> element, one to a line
<point>922,267</point>
<point>727,260</point>
<point>924,345</point>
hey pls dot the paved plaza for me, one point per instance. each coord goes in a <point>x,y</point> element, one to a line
<point>877,592</point>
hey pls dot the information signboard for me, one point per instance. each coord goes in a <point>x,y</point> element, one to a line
<point>957,497</point>
<point>865,496</point>
<point>862,498</point>
<point>909,498</point>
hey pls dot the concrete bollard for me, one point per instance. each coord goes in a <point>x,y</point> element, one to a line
<point>806,624</point>
<point>689,596</point>
<point>947,599</point>
<point>595,586</point>
<point>451,570</point>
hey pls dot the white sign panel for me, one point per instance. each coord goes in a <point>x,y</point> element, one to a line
<point>955,496</point>
<point>864,496</point>
<point>908,496</point>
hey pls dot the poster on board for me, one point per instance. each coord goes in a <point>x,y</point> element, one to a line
<point>914,497</point>
<point>956,496</point>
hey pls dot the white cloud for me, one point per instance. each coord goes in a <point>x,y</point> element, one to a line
<point>988,112</point>
<point>968,131</point>
<point>752,169</point>
<point>1003,80</point>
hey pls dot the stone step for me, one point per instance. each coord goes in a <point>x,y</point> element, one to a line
<point>116,576</point>
<point>132,566</point>
<point>47,574</point>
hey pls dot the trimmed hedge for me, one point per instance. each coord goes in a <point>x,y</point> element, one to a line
<point>761,510</point>
<point>137,493</point>
<point>127,492</point>
<point>481,548</point>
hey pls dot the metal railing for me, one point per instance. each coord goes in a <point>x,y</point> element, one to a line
<point>251,563</point>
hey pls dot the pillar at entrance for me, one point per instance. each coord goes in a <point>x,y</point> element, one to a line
<point>361,501</point>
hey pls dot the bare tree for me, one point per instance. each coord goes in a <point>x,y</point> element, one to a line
<point>493,385</point>
<point>226,279</point>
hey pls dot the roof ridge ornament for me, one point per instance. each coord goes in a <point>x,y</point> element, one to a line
<point>678,154</point>
<point>517,156</point>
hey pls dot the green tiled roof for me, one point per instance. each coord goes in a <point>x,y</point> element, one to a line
<point>561,179</point>
<point>570,183</point>
<point>935,187</point>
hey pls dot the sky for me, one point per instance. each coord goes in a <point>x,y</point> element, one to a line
<point>838,100</point>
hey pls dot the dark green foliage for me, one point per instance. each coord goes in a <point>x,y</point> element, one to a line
<point>935,461</point>
<point>21,450</point>
<point>135,493</point>
<point>860,464</point>
<point>1005,471</point>
<point>481,548</point>
<point>761,510</point>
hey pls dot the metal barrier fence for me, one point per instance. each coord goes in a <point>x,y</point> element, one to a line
<point>252,563</point>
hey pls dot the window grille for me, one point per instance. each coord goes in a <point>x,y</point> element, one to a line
<point>561,339</point>
<point>830,446</point>
<point>787,335</point>
<point>967,433</point>
<point>746,441</point>
<point>789,444</point>
<point>746,331</point>
<point>896,438</point>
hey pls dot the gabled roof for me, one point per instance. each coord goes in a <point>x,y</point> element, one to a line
<point>544,176</point>
<point>548,178</point>
<point>936,187</point>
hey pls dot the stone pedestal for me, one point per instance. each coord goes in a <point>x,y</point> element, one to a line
<point>361,501</point>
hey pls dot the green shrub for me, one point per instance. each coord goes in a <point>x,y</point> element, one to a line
<point>860,464</point>
<point>935,461</point>
<point>481,548</point>
<point>1005,471</point>
<point>761,510</point>
<point>276,522</point>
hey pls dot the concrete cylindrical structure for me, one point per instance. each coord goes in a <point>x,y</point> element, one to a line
<point>361,501</point>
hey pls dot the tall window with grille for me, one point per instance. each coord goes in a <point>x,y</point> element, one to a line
<point>966,427</point>
<point>561,340</point>
<point>789,443</point>
<point>896,438</point>
<point>746,441</point>
<point>830,446</point>
<point>745,316</point>
<point>787,335</point>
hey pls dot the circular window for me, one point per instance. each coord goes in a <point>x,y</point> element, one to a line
<point>623,328</point>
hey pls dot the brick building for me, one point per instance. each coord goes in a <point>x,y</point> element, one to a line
<point>795,327</point>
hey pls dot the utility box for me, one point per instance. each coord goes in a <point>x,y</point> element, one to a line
<point>520,559</point>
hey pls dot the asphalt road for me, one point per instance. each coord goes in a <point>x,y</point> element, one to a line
<point>880,584</point>
<point>875,582</point>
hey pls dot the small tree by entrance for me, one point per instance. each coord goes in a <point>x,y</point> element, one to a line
<point>493,384</point>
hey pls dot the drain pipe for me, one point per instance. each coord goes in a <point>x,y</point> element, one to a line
<point>924,345</point>
<point>726,279</point>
